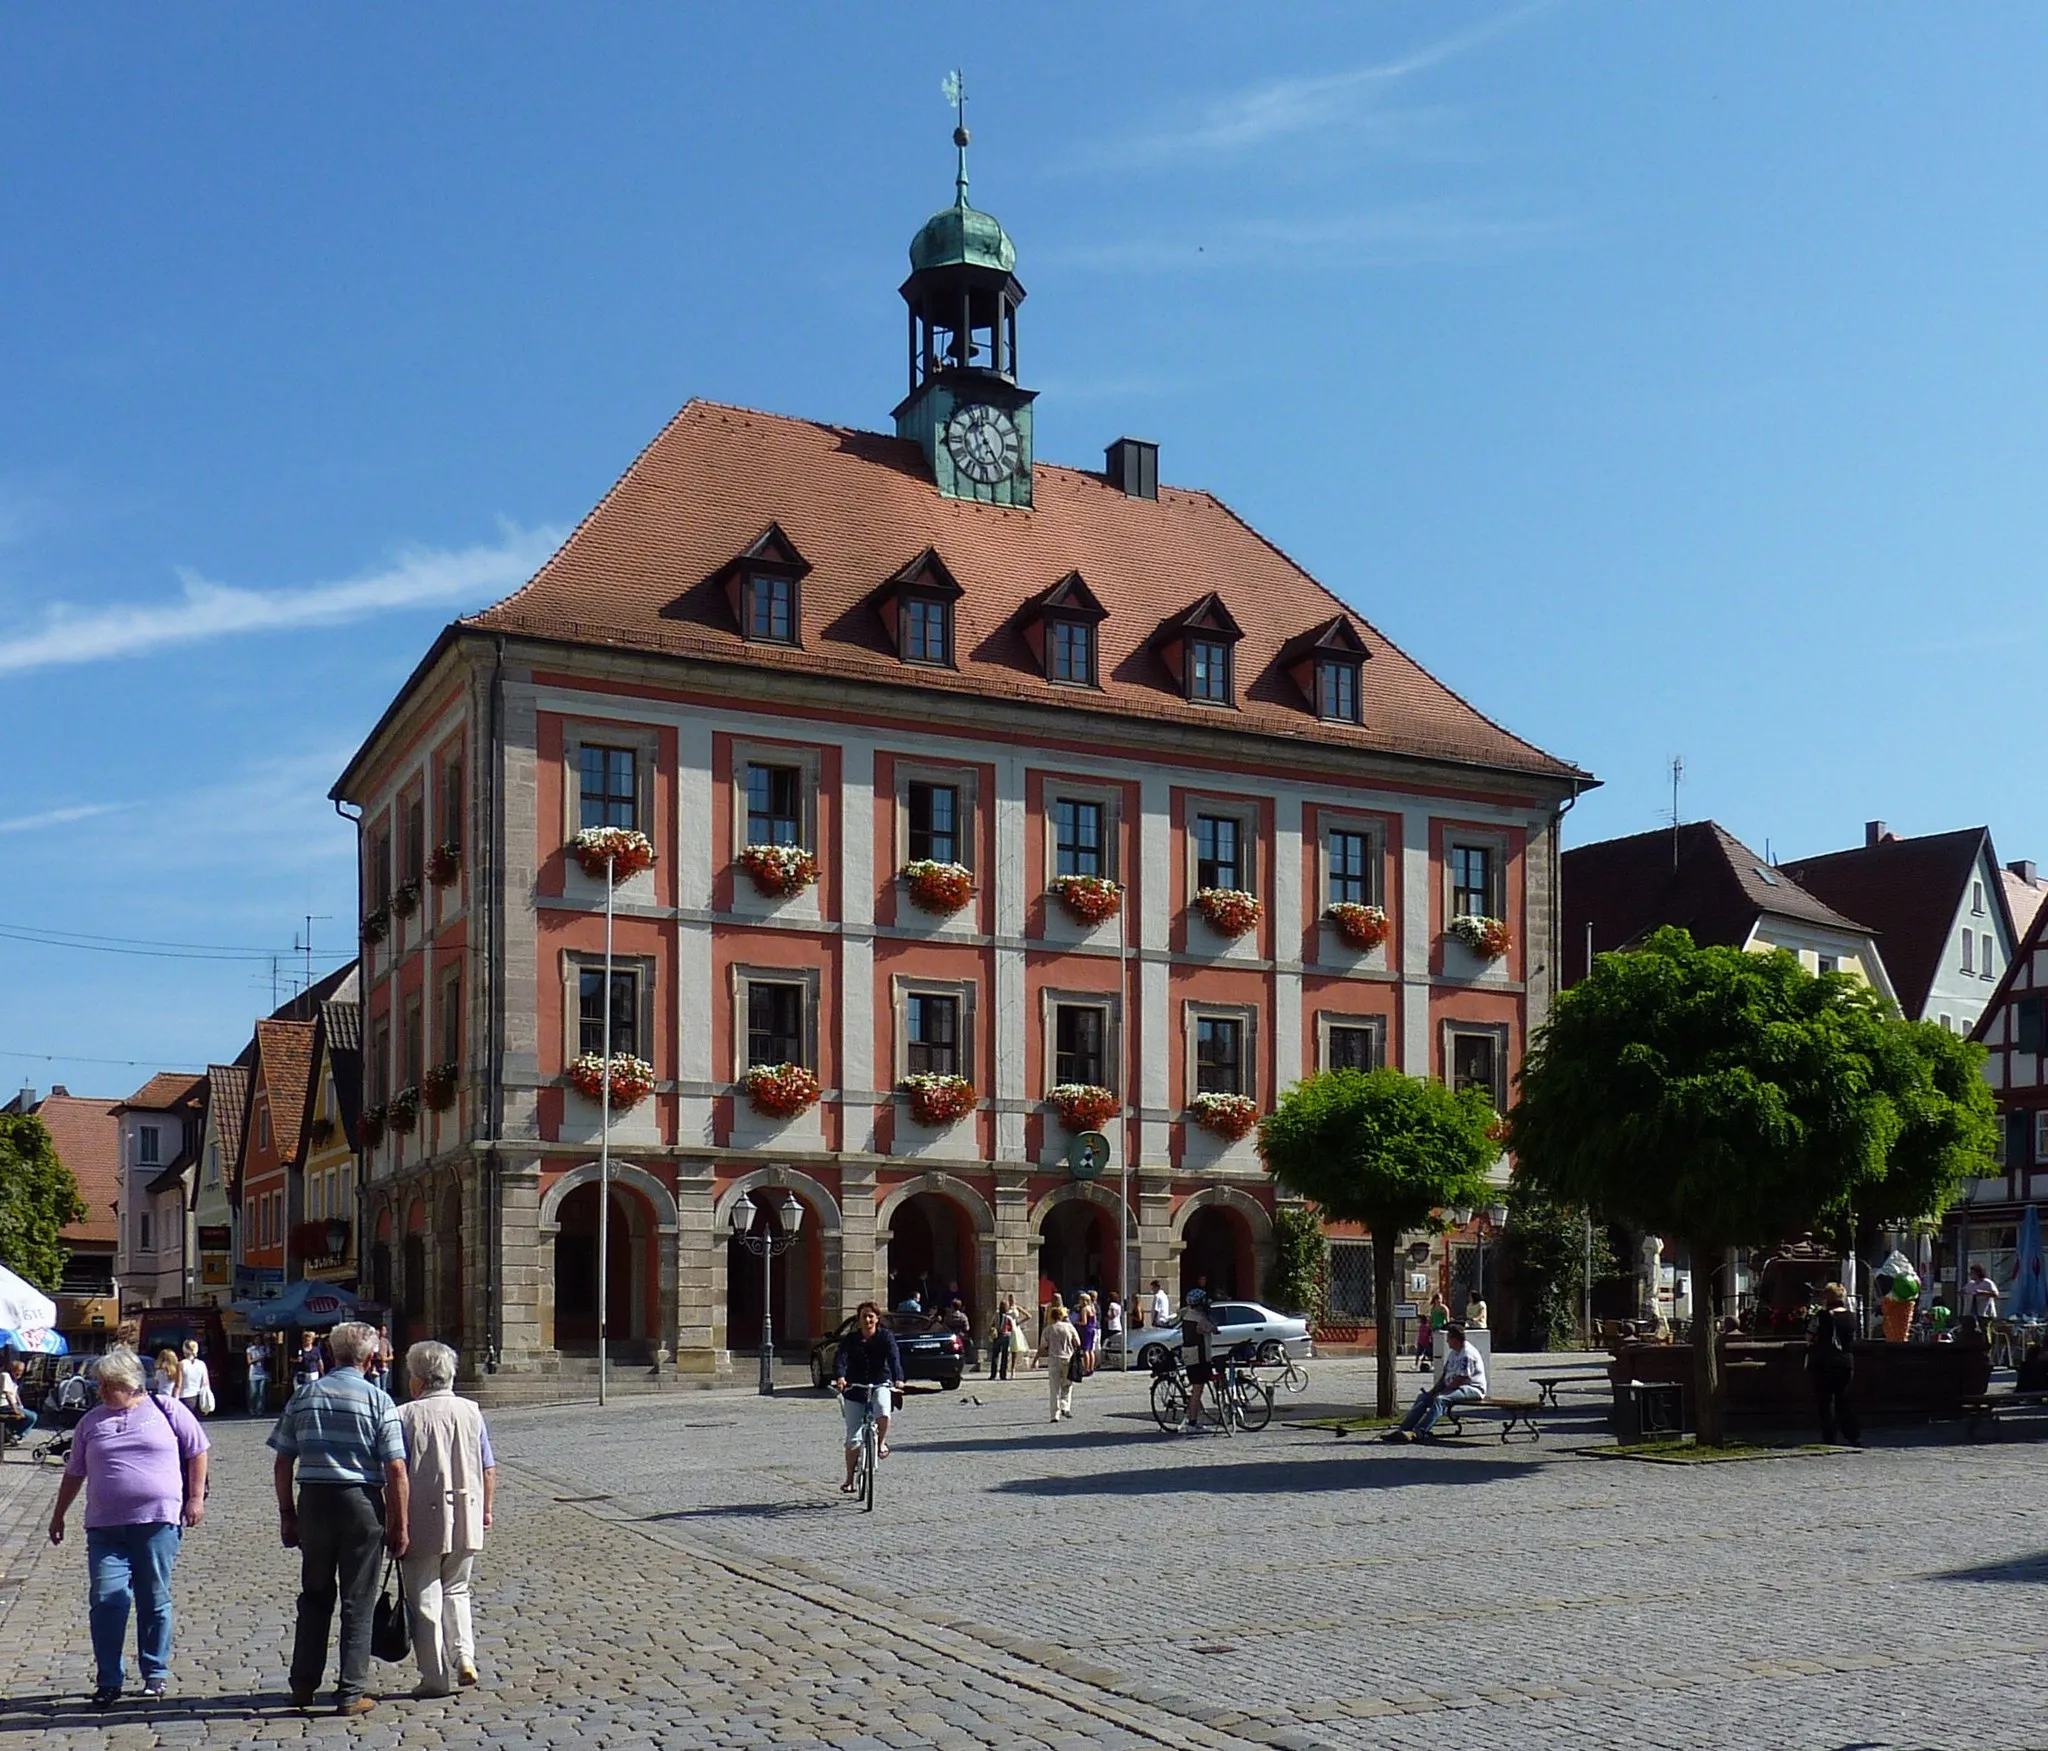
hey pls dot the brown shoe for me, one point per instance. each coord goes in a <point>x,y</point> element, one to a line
<point>360,1706</point>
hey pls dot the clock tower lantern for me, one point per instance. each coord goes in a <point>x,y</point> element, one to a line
<point>964,407</point>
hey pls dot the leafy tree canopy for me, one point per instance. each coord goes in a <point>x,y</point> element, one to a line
<point>1300,1279</point>
<point>38,1199</point>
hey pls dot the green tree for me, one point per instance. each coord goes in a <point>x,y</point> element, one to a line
<point>1300,1279</point>
<point>1723,1098</point>
<point>38,1199</point>
<point>1548,1248</point>
<point>1385,1150</point>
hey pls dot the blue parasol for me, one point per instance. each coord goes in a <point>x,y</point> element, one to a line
<point>2029,1297</point>
<point>33,1340</point>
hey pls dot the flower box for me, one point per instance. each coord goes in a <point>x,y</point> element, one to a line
<point>778,870</point>
<point>376,924</point>
<point>939,1100</point>
<point>402,1111</point>
<point>938,887</point>
<point>1230,911</point>
<point>1084,1107</point>
<point>626,850</point>
<point>1228,1115</point>
<point>1487,938</point>
<point>1088,899</point>
<point>1363,927</point>
<point>781,1091</point>
<point>437,1087</point>
<point>632,1079</point>
<point>370,1126</point>
<point>405,899</point>
<point>444,864</point>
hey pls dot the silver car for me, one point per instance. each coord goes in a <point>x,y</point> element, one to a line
<point>1237,1322</point>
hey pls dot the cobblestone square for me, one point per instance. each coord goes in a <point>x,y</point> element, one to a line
<point>681,1571</point>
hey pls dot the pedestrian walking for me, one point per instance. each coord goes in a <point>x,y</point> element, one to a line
<point>344,1435</point>
<point>142,1464</point>
<point>257,1355</point>
<point>308,1365</point>
<point>1091,1333</point>
<point>1831,1366</point>
<point>195,1381</point>
<point>1060,1349</point>
<point>1161,1309</point>
<point>453,1480</point>
<point>1113,1328</point>
<point>163,1378</point>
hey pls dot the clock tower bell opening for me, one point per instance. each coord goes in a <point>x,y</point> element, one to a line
<point>964,407</point>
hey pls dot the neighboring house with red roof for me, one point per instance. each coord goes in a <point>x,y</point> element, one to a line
<point>87,1136</point>
<point>1984,1228</point>
<point>1703,879</point>
<point>1938,905</point>
<point>159,1127</point>
<point>784,645</point>
<point>213,1205</point>
<point>270,1141</point>
<point>2025,893</point>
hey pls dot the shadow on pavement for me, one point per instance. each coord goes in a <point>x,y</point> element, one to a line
<point>1262,1477</point>
<point>39,1713</point>
<point>2023,1571</point>
<point>746,1511</point>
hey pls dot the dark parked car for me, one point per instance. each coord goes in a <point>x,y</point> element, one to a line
<point>929,1351</point>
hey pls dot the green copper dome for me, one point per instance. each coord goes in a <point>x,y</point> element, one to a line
<point>962,235</point>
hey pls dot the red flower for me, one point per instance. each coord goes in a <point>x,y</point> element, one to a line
<point>1230,911</point>
<point>1088,899</point>
<point>781,1091</point>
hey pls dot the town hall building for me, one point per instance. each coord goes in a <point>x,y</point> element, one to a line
<point>985,801</point>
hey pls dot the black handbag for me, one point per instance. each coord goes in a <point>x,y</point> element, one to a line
<point>390,1633</point>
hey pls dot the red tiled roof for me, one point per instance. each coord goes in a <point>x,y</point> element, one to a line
<point>227,1096</point>
<point>88,1140</point>
<point>1909,891</point>
<point>163,1091</point>
<point>858,506</point>
<point>2023,899</point>
<point>284,1059</point>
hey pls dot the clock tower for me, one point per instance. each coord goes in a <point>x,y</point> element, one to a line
<point>964,407</point>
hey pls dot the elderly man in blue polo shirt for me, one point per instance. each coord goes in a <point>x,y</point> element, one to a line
<point>345,1437</point>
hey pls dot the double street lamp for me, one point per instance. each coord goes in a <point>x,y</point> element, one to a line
<point>1492,1218</point>
<point>750,1229</point>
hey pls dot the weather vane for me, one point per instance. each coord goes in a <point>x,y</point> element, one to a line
<point>954,89</point>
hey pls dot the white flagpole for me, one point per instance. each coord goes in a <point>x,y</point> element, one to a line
<point>604,1146</point>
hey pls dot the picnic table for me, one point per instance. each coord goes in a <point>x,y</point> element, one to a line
<point>1547,1384</point>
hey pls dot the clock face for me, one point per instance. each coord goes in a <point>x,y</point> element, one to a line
<point>983,443</point>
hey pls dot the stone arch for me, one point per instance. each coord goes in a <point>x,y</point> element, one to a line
<point>1240,1203</point>
<point>981,1221</point>
<point>1090,1190</point>
<point>651,1227</point>
<point>824,1219</point>
<point>1109,1207</point>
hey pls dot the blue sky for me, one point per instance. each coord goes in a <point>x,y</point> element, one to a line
<point>1668,379</point>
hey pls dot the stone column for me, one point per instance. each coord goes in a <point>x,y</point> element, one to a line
<point>526,1311</point>
<point>1158,1251</point>
<point>699,1338</point>
<point>1016,1247</point>
<point>857,1269</point>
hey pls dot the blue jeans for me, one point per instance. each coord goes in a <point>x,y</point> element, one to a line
<point>1428,1408</point>
<point>131,1563</point>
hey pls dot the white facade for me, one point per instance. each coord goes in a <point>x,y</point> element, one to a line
<point>1978,950</point>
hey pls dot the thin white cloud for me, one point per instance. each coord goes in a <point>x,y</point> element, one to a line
<point>421,577</point>
<point>1285,109</point>
<point>61,817</point>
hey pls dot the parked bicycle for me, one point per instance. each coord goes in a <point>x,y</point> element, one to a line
<point>1233,1398</point>
<point>1293,1377</point>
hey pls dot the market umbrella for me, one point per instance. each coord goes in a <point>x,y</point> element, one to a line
<point>306,1304</point>
<point>2029,1297</point>
<point>28,1318</point>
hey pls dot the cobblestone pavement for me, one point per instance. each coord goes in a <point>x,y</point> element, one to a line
<point>681,1570</point>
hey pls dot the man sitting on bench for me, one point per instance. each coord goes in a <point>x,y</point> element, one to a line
<point>1463,1376</point>
<point>16,1419</point>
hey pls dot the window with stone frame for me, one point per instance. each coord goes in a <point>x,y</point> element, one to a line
<point>1079,838</point>
<point>412,1044</point>
<point>775,804</point>
<point>931,1034</point>
<point>451,802</point>
<point>1219,852</point>
<point>934,827</point>
<point>625,1011</point>
<point>1220,1055</point>
<point>1473,881</point>
<point>380,868</point>
<point>414,849</point>
<point>776,1031</point>
<point>1080,1033</point>
<point>610,790</point>
<point>1354,1043</point>
<point>1351,867</point>
<point>1476,1057</point>
<point>450,1017</point>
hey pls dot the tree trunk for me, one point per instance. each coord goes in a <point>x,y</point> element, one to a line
<point>1709,1401</point>
<point>1384,1329</point>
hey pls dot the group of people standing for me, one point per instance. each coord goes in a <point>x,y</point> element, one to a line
<point>356,1476</point>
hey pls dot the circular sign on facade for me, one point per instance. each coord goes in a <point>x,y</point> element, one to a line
<point>1087,1155</point>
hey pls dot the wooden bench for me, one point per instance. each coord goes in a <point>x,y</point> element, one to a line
<point>1989,1407</point>
<point>1547,1384</point>
<point>1510,1413</point>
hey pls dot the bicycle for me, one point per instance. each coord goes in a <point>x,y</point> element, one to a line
<point>868,1455</point>
<point>1293,1377</point>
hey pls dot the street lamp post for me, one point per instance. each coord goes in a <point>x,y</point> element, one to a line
<point>750,1230</point>
<point>1492,1217</point>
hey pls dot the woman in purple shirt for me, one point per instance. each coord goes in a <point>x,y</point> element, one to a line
<point>142,1464</point>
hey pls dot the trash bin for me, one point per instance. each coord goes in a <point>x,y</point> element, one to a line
<point>1651,1411</point>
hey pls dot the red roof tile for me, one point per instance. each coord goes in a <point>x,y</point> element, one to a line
<point>227,1096</point>
<point>88,1140</point>
<point>163,1091</point>
<point>284,1060</point>
<point>639,572</point>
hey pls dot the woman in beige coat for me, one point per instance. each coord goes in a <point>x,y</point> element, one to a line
<point>1058,1347</point>
<point>454,1480</point>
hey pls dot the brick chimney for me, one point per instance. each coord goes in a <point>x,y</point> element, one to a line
<point>1874,834</point>
<point>2025,870</point>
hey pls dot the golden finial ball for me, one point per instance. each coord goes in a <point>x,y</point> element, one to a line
<point>960,136</point>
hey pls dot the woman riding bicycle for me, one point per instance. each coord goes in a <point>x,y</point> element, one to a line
<point>868,1364</point>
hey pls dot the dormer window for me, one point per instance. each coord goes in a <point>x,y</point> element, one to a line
<point>1337,690</point>
<point>927,630</point>
<point>1070,651</point>
<point>1208,666</point>
<point>771,608</point>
